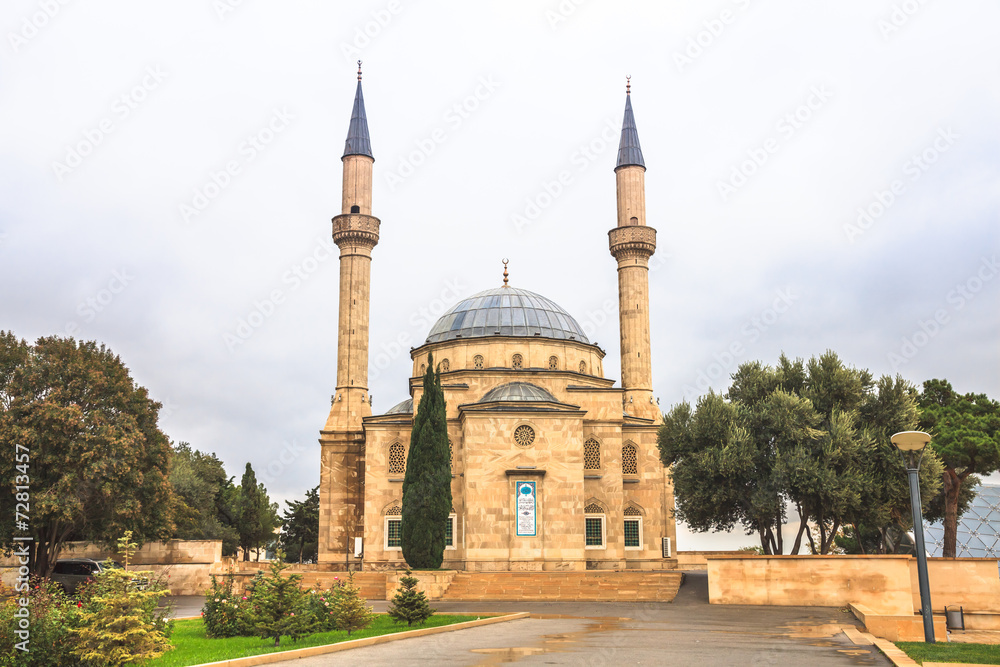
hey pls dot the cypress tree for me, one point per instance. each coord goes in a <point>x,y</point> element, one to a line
<point>427,483</point>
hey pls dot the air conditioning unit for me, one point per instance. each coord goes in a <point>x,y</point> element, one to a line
<point>667,548</point>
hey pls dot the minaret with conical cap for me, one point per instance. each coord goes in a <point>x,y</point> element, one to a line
<point>355,231</point>
<point>632,244</point>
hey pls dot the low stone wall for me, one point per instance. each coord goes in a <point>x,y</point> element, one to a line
<point>698,560</point>
<point>187,564</point>
<point>973,583</point>
<point>881,583</point>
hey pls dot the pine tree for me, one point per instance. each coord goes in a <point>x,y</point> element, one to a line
<point>119,623</point>
<point>279,605</point>
<point>409,604</point>
<point>427,483</point>
<point>351,611</point>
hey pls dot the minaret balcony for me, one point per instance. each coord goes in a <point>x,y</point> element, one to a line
<point>356,229</point>
<point>632,241</point>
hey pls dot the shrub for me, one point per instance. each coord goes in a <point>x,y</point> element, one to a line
<point>280,607</point>
<point>323,605</point>
<point>409,604</point>
<point>351,612</point>
<point>51,615</point>
<point>119,621</point>
<point>226,610</point>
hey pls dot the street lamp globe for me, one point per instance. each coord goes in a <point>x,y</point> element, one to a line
<point>910,441</point>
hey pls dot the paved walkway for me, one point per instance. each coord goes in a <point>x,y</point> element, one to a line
<point>688,631</point>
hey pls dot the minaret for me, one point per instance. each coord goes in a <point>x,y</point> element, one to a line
<point>632,244</point>
<point>342,440</point>
<point>355,231</point>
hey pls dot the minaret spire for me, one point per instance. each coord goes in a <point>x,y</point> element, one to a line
<point>632,243</point>
<point>358,141</point>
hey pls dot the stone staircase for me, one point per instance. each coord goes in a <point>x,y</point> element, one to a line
<point>592,585</point>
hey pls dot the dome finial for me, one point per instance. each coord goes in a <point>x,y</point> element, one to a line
<point>359,70</point>
<point>505,260</point>
<point>628,82</point>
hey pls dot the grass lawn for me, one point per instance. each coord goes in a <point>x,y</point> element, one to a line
<point>973,654</point>
<point>192,647</point>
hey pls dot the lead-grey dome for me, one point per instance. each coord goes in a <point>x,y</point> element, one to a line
<point>403,408</point>
<point>517,391</point>
<point>507,311</point>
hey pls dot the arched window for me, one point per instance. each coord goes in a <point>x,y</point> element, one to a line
<point>594,526</point>
<point>583,366</point>
<point>553,363</point>
<point>517,362</point>
<point>632,528</point>
<point>445,366</point>
<point>355,209</point>
<point>478,362</point>
<point>630,459</point>
<point>393,528</point>
<point>423,368</point>
<point>397,459</point>
<point>591,455</point>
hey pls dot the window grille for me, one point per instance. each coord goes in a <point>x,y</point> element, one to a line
<point>630,460</point>
<point>553,363</point>
<point>591,455</point>
<point>478,362</point>
<point>517,362</point>
<point>524,436</point>
<point>397,459</point>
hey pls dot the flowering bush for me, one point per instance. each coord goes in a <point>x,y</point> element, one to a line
<point>226,610</point>
<point>323,605</point>
<point>51,615</point>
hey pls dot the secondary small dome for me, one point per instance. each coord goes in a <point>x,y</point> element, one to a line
<point>517,391</point>
<point>506,311</point>
<point>403,408</point>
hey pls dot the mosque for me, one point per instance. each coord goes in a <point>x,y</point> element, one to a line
<point>553,466</point>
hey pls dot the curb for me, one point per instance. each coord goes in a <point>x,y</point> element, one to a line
<point>896,656</point>
<point>295,654</point>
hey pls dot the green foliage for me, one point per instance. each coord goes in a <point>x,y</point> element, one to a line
<point>51,615</point>
<point>119,622</point>
<point>323,605</point>
<point>427,483</point>
<point>257,516</point>
<point>965,431</point>
<point>351,612</point>
<point>226,611</point>
<point>98,460</point>
<point>813,435</point>
<point>279,606</point>
<point>300,530</point>
<point>409,604</point>
<point>200,485</point>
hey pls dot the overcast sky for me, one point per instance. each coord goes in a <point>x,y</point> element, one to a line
<point>821,176</point>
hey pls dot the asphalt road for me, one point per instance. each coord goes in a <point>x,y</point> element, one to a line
<point>687,631</point>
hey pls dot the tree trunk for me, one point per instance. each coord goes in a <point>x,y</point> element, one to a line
<point>828,546</point>
<point>781,543</point>
<point>952,487</point>
<point>857,536</point>
<point>803,524</point>
<point>812,545</point>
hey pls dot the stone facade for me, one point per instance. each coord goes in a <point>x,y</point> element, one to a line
<point>527,406</point>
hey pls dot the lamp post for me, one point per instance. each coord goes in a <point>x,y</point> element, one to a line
<point>911,445</point>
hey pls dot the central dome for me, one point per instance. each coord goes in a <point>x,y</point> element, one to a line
<point>506,311</point>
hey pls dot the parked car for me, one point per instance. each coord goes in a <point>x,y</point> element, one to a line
<point>71,573</point>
